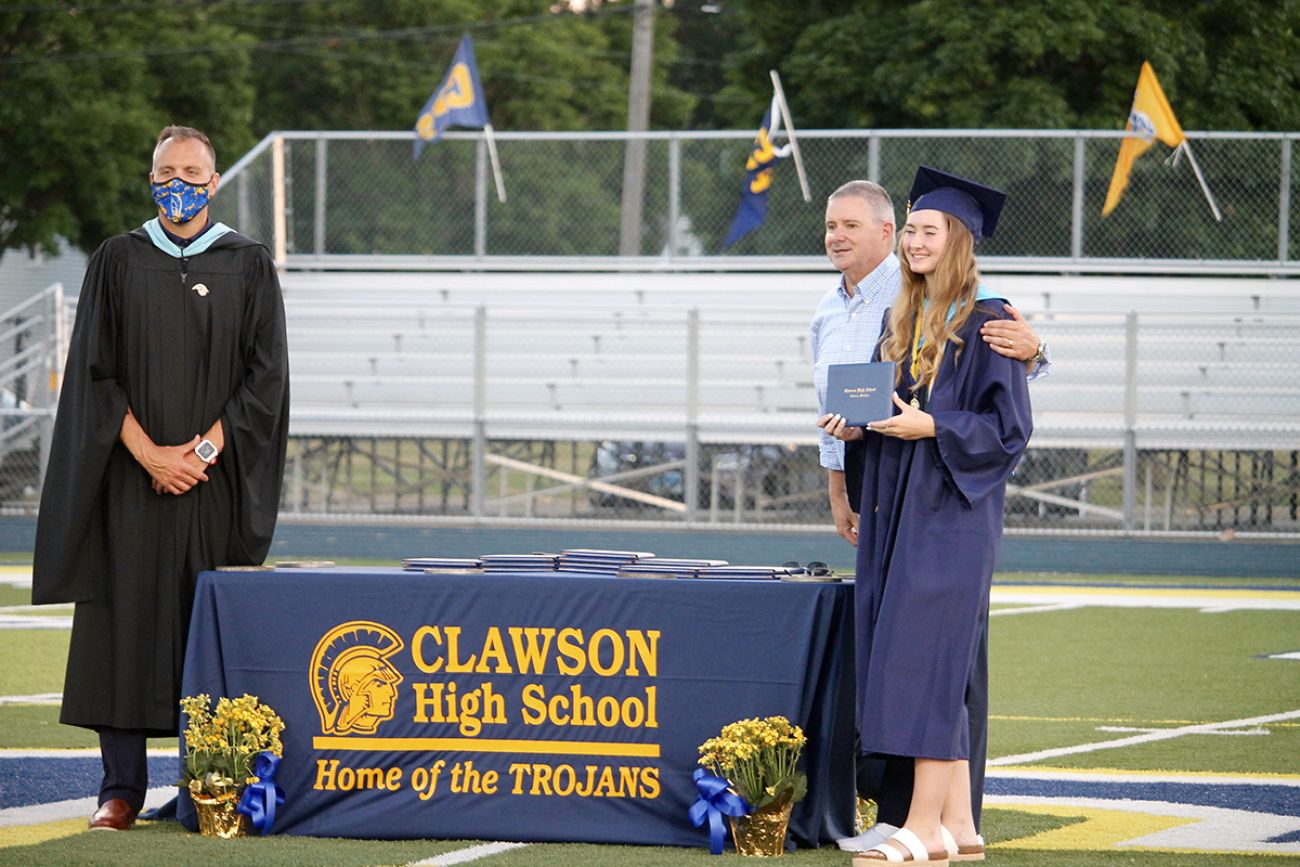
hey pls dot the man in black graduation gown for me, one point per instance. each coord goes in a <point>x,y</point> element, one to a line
<point>167,457</point>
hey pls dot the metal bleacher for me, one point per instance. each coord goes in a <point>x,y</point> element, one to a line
<point>595,355</point>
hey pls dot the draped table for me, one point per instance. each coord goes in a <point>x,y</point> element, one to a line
<point>551,706</point>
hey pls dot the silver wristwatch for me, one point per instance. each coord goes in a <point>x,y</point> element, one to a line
<point>206,451</point>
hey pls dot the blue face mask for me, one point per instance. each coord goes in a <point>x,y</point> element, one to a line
<point>180,200</point>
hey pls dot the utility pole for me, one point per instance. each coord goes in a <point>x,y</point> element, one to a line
<point>638,120</point>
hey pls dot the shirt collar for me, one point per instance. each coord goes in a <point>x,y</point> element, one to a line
<point>883,273</point>
<point>184,242</point>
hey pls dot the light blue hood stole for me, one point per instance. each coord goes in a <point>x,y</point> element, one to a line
<point>160,240</point>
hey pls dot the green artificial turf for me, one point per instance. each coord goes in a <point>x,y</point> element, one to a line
<point>33,660</point>
<point>1055,676</point>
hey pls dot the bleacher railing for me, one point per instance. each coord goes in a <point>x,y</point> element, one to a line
<point>33,334</point>
<point>359,200</point>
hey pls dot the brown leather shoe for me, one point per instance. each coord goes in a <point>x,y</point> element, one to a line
<point>113,815</point>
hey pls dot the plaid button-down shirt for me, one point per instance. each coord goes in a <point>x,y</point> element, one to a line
<point>846,328</point>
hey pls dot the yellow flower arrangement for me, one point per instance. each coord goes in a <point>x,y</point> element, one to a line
<point>222,745</point>
<point>758,758</point>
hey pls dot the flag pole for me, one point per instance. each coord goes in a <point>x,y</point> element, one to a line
<point>496,163</point>
<point>1209,197</point>
<point>789,131</point>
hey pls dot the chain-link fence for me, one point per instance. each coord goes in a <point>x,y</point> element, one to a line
<point>358,195</point>
<point>447,361</point>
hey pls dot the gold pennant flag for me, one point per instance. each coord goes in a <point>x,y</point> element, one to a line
<point>1150,118</point>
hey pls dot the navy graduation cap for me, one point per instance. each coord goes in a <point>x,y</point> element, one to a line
<point>976,205</point>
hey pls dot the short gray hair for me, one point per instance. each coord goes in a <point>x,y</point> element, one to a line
<point>879,204</point>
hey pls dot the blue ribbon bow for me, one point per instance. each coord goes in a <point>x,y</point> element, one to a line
<point>261,798</point>
<point>712,803</point>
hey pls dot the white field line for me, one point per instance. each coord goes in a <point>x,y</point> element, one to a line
<point>464,856</point>
<point>41,698</point>
<point>29,621</point>
<point>1215,829</point>
<point>1164,735</point>
<point>38,814</point>
<point>77,753</point>
<point>1037,609</point>
<point>20,577</point>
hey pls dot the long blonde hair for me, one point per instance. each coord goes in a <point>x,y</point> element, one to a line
<point>956,280</point>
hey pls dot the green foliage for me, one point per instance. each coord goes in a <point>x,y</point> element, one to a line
<point>85,90</point>
<point>81,102</point>
<point>1225,64</point>
<point>85,87</point>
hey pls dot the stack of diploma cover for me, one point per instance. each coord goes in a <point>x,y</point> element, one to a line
<point>667,567</point>
<point>860,391</point>
<point>744,573</point>
<point>446,565</point>
<point>600,560</point>
<point>536,562</point>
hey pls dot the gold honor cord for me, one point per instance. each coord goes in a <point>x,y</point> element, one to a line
<point>916,356</point>
<point>487,745</point>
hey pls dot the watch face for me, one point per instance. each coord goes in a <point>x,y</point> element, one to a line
<point>206,450</point>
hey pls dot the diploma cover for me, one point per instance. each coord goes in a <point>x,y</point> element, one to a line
<point>861,391</point>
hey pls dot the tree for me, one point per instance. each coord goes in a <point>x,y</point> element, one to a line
<point>83,93</point>
<point>1225,64</point>
<point>353,64</point>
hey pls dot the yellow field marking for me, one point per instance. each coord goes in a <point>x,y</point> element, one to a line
<point>1092,719</point>
<point>1046,770</point>
<point>1057,590</point>
<point>1118,720</point>
<point>31,835</point>
<point>1101,830</point>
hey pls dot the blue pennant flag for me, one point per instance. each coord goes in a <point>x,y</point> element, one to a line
<point>758,177</point>
<point>458,101</point>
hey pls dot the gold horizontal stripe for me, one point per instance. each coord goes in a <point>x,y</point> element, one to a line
<point>1050,590</point>
<point>487,745</point>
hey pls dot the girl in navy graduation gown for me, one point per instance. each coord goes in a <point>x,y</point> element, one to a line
<point>933,486</point>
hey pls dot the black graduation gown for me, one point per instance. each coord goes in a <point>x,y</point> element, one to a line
<point>180,359</point>
<point>929,534</point>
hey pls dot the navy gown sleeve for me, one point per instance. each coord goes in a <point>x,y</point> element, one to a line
<point>977,448</point>
<point>92,406</point>
<point>255,421</point>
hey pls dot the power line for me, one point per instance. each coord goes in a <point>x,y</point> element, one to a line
<point>352,36</point>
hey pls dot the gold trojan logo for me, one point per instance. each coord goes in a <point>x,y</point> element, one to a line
<point>353,683</point>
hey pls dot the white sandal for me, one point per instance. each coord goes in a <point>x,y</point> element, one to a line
<point>916,852</point>
<point>974,852</point>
